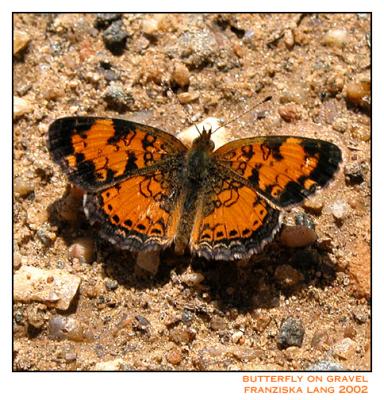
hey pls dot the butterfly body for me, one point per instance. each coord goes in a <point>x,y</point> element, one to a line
<point>147,190</point>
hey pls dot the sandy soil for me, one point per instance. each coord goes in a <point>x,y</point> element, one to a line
<point>194,314</point>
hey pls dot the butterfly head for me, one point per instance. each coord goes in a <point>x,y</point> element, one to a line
<point>203,141</point>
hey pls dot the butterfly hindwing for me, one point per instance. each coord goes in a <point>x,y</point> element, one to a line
<point>233,221</point>
<point>139,213</point>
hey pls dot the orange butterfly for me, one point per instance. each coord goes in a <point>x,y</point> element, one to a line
<point>147,190</point>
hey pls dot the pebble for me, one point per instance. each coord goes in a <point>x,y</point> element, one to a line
<point>287,276</point>
<point>83,249</point>
<point>180,75</point>
<point>21,107</point>
<point>359,92</point>
<point>23,187</point>
<point>62,327</point>
<point>192,278</point>
<point>290,112</point>
<point>198,48</point>
<point>218,323</point>
<point>148,261</point>
<point>174,356</point>
<point>336,38</point>
<point>339,209</point>
<point>20,41</point>
<point>320,340</point>
<point>291,333</point>
<point>314,205</point>
<point>237,336</point>
<point>103,20</point>
<point>344,349</point>
<point>115,37</point>
<point>360,314</point>
<point>182,335</point>
<point>220,137</point>
<point>114,365</point>
<point>117,98</point>
<point>150,26</point>
<point>325,365</point>
<point>54,288</point>
<point>354,173</point>
<point>111,284</point>
<point>297,236</point>
<point>188,97</point>
<point>289,39</point>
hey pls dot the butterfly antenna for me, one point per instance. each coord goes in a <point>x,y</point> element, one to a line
<point>268,98</point>
<point>170,93</point>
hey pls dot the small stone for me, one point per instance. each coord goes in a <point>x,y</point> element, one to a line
<point>182,335</point>
<point>54,287</point>
<point>20,41</point>
<point>339,209</point>
<point>115,37</point>
<point>141,323</point>
<point>180,76</point>
<point>192,278</point>
<point>360,314</point>
<point>321,340</point>
<point>21,107</point>
<point>148,261</point>
<point>218,323</point>
<point>359,93</point>
<point>174,357</point>
<point>237,336</point>
<point>23,187</point>
<point>326,365</point>
<point>297,236</point>
<point>314,205</point>
<point>150,26</point>
<point>111,284</point>
<point>83,249</point>
<point>354,173</point>
<point>103,20</point>
<point>61,327</point>
<point>344,349</point>
<point>288,276</point>
<point>291,333</point>
<point>290,112</point>
<point>117,98</point>
<point>188,97</point>
<point>336,38</point>
<point>113,365</point>
<point>289,39</point>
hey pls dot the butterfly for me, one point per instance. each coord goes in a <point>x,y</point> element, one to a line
<point>146,190</point>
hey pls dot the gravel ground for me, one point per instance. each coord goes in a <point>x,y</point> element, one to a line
<point>287,308</point>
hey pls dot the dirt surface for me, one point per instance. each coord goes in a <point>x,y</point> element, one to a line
<point>286,308</point>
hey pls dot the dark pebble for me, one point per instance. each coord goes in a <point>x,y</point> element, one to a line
<point>187,317</point>
<point>115,38</point>
<point>117,99</point>
<point>103,20</point>
<point>141,323</point>
<point>291,333</point>
<point>325,366</point>
<point>354,173</point>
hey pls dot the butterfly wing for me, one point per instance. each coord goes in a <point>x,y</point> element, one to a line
<point>283,169</point>
<point>232,220</point>
<point>139,213</point>
<point>98,152</point>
